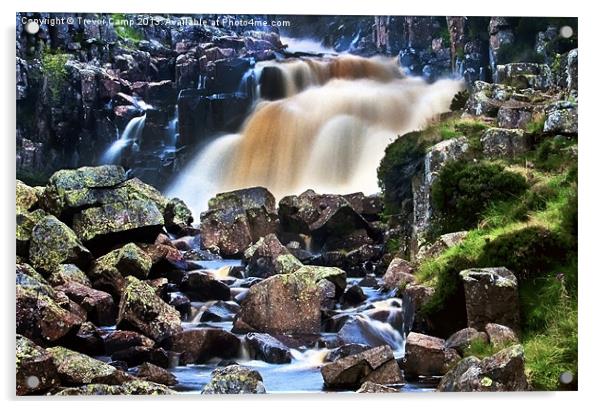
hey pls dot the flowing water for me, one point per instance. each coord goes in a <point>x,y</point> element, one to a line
<point>131,135</point>
<point>319,123</point>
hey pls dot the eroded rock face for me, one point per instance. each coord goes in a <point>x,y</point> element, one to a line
<point>491,296</point>
<point>562,117</point>
<point>504,143</point>
<point>234,379</point>
<point>376,365</point>
<point>197,345</point>
<point>142,309</point>
<point>503,371</point>
<point>34,361</point>
<point>267,348</point>
<point>428,356</point>
<point>399,273</point>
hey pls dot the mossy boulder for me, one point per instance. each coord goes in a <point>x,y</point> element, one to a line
<point>36,371</point>
<point>504,143</point>
<point>26,197</point>
<point>234,379</point>
<point>251,198</point>
<point>124,221</point>
<point>79,369</point>
<point>135,387</point>
<point>333,274</point>
<point>27,277</point>
<point>178,216</point>
<point>99,305</point>
<point>199,345</point>
<point>64,273</point>
<point>25,224</point>
<point>268,257</point>
<point>53,243</point>
<point>141,308</point>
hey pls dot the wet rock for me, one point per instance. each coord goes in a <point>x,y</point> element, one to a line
<point>491,296</point>
<point>220,311</point>
<point>164,257</point>
<point>345,350</point>
<point>369,207</point>
<point>427,356</point>
<point>40,318</point>
<point>398,274</point>
<point>132,220</point>
<point>368,281</point>
<point>500,335</point>
<point>53,243</point>
<point>377,365</point>
<point>504,143</point>
<point>134,356</point>
<point>35,369</point>
<point>201,286</point>
<point>281,304</point>
<point>135,387</point>
<point>354,295</point>
<point>268,257</point>
<point>267,348</point>
<point>182,304</point>
<point>142,309</point>
<point>198,345</point>
<point>562,118</point>
<point>234,379</point>
<point>98,304</point>
<point>79,369</point>
<point>156,374</point>
<point>119,340</point>
<point>371,387</point>
<point>178,216</point>
<point>503,371</point>
<point>442,243</point>
<point>25,222</point>
<point>362,330</point>
<point>87,340</point>
<point>65,273</point>
<point>418,294</point>
<point>361,261</point>
<point>461,340</point>
<point>328,295</point>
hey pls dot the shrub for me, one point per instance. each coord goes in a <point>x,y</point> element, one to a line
<point>463,191</point>
<point>554,154</point>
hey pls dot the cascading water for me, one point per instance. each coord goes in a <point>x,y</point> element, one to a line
<point>326,128</point>
<point>131,135</point>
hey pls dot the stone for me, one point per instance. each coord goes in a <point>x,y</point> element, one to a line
<point>142,309</point>
<point>267,348</point>
<point>25,222</point>
<point>491,296</point>
<point>377,365</point>
<point>268,257</point>
<point>79,369</point>
<point>572,69</point>
<point>439,246</point>
<point>234,379</point>
<point>201,286</point>
<point>427,356</point>
<point>134,356</point>
<point>156,374</point>
<point>561,118</point>
<point>418,294</point>
<point>362,330</point>
<point>177,215</point>
<point>198,345</point>
<point>354,295</point>
<point>99,305</point>
<point>500,335</point>
<point>504,143</point>
<point>119,340</point>
<point>525,75</point>
<point>87,340</point>
<point>131,220</point>
<point>65,273</point>
<point>42,319</point>
<point>503,371</point>
<point>26,197</point>
<point>53,243</point>
<point>462,339</point>
<point>486,99</point>
<point>135,387</point>
<point>514,117</point>
<point>344,351</point>
<point>371,387</point>
<point>33,361</point>
<point>219,311</point>
<point>398,274</point>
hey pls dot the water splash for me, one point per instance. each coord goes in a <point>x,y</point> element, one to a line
<point>131,135</point>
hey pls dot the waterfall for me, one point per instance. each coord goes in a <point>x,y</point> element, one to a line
<point>326,128</point>
<point>131,135</point>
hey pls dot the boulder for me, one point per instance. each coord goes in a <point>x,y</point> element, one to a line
<point>398,274</point>
<point>135,387</point>
<point>119,340</point>
<point>428,356</point>
<point>354,295</point>
<point>140,308</point>
<point>377,365</point>
<point>134,356</point>
<point>525,75</point>
<point>504,143</point>
<point>503,371</point>
<point>366,331</point>
<point>491,296</point>
<point>219,311</point>
<point>65,273</point>
<point>561,118</point>
<point>201,286</point>
<point>99,305</point>
<point>234,379</point>
<point>26,197</point>
<point>53,243</point>
<point>87,340</point>
<point>268,257</point>
<point>439,246</point>
<point>36,371</point>
<point>42,319</point>
<point>371,387</point>
<point>178,216</point>
<point>156,374</point>
<point>514,117</point>
<point>125,221</point>
<point>369,207</point>
<point>486,99</point>
<point>500,335</point>
<point>198,345</point>
<point>25,222</point>
<point>79,369</point>
<point>418,294</point>
<point>344,351</point>
<point>462,339</point>
<point>267,348</point>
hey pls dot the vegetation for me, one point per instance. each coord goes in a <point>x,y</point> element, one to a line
<point>124,31</point>
<point>53,68</point>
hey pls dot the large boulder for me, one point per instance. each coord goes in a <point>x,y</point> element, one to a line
<point>78,369</point>
<point>25,222</point>
<point>504,143</point>
<point>428,356</point>
<point>514,117</point>
<point>376,365</point>
<point>500,335</point>
<point>267,348</point>
<point>268,257</point>
<point>99,305</point>
<point>36,371</point>
<point>198,345</point>
<point>503,371</point>
<point>202,286</point>
<point>119,340</point>
<point>53,243</point>
<point>491,296</point>
<point>154,373</point>
<point>134,387</point>
<point>398,274</point>
<point>234,379</point>
<point>237,219</point>
<point>26,196</point>
<point>142,309</point>
<point>562,118</point>
<point>65,273</point>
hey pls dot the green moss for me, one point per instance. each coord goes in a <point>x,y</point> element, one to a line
<point>53,68</point>
<point>124,31</point>
<point>535,125</point>
<point>481,349</point>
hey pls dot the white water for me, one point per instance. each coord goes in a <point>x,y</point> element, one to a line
<point>307,45</point>
<point>131,134</point>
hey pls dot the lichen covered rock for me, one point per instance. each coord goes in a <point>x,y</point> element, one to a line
<point>35,369</point>
<point>64,273</point>
<point>268,257</point>
<point>562,118</point>
<point>177,216</point>
<point>234,379</point>
<point>428,356</point>
<point>504,143</point>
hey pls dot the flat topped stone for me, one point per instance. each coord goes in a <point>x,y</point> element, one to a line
<point>497,276</point>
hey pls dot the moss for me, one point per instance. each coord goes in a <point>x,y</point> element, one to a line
<point>125,31</point>
<point>53,68</point>
<point>555,154</point>
<point>481,348</point>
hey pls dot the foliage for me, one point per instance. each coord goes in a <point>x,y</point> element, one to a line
<point>124,31</point>
<point>53,68</point>
<point>554,154</point>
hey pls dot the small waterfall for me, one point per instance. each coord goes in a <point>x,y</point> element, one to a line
<point>130,136</point>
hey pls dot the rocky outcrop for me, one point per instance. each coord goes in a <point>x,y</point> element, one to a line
<point>234,379</point>
<point>439,246</point>
<point>525,75</point>
<point>562,118</point>
<point>376,365</point>
<point>504,143</point>
<point>491,296</point>
<point>427,356</point>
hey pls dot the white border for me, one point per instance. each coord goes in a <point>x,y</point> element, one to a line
<point>590,149</point>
